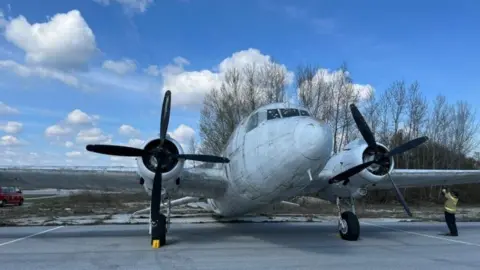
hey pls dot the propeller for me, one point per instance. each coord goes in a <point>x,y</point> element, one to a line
<point>379,157</point>
<point>162,156</point>
<point>126,151</point>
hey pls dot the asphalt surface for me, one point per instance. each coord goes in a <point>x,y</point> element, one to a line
<point>241,246</point>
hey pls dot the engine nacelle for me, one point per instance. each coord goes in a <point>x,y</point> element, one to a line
<point>358,152</point>
<point>147,165</point>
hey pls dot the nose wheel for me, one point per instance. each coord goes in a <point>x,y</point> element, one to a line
<point>348,224</point>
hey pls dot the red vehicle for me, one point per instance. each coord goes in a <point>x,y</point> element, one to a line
<point>10,195</point>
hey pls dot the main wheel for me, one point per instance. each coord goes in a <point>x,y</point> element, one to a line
<point>349,227</point>
<point>159,233</point>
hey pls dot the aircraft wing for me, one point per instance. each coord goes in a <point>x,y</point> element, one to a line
<point>197,182</point>
<point>404,178</point>
<point>65,177</point>
<point>203,182</point>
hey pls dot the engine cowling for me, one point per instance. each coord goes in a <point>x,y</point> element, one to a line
<point>359,152</point>
<point>146,165</point>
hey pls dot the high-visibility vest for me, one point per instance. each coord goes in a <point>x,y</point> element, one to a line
<point>450,203</point>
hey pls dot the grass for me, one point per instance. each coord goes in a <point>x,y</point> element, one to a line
<point>88,203</point>
<point>85,203</point>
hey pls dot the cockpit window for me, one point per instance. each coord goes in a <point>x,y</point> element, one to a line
<point>272,114</point>
<point>304,113</point>
<point>252,122</point>
<point>289,112</point>
<point>263,115</point>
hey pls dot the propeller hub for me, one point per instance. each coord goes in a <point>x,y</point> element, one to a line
<point>165,154</point>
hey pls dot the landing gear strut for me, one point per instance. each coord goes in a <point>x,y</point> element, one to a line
<point>348,225</point>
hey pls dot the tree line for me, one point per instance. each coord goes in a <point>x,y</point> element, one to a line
<point>398,114</point>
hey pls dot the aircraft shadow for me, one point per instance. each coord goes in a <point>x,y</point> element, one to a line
<point>311,238</point>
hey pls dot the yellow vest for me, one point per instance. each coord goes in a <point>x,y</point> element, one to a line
<point>450,203</point>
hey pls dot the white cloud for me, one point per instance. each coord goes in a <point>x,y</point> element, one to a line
<point>72,122</point>
<point>18,157</point>
<point>136,143</point>
<point>129,5</point>
<point>121,67</point>
<point>73,154</point>
<point>102,79</point>
<point>57,130</point>
<point>128,130</point>
<point>3,21</point>
<point>68,144</point>
<point>189,87</point>
<point>65,42</point>
<point>12,127</point>
<point>327,76</point>
<point>183,134</point>
<point>42,72</point>
<point>9,140</point>
<point>93,135</point>
<point>78,117</point>
<point>5,109</point>
<point>152,70</point>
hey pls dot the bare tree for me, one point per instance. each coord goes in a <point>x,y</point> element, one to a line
<point>416,117</point>
<point>327,95</point>
<point>193,150</point>
<point>371,111</point>
<point>315,91</point>
<point>464,127</point>
<point>384,120</point>
<point>241,92</point>
<point>397,101</point>
<point>438,126</point>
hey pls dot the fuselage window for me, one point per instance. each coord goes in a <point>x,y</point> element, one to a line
<point>252,122</point>
<point>272,114</point>
<point>304,113</point>
<point>289,112</point>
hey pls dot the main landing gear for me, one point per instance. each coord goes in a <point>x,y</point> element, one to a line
<point>348,225</point>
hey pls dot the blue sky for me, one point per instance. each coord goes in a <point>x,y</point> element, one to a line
<point>382,41</point>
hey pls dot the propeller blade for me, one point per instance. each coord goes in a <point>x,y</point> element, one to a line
<point>115,150</point>
<point>400,197</point>
<point>165,117</point>
<point>407,146</point>
<point>363,126</point>
<point>204,158</point>
<point>155,199</point>
<point>350,172</point>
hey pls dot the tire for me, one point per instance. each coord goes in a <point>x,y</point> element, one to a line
<point>20,203</point>
<point>3,203</point>
<point>352,231</point>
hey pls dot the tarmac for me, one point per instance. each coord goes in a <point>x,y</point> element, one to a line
<point>309,245</point>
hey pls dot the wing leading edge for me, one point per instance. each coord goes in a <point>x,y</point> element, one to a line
<point>404,178</point>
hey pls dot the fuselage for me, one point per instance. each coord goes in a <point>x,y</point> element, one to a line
<point>272,154</point>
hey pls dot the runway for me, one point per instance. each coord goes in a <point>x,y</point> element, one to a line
<point>383,245</point>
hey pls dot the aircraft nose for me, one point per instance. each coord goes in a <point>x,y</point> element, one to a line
<point>312,139</point>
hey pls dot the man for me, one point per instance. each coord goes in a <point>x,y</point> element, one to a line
<point>450,210</point>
